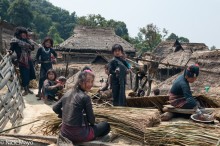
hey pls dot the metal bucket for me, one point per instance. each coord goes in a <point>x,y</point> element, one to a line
<point>195,118</point>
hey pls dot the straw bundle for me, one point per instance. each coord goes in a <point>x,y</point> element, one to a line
<point>126,119</point>
<point>170,134</point>
<point>216,114</point>
<point>183,134</point>
<point>33,84</point>
<point>50,126</point>
<point>159,101</point>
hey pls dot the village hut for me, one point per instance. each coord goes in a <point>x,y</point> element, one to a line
<point>89,46</point>
<point>209,77</point>
<point>93,45</point>
<point>174,56</point>
<point>6,34</point>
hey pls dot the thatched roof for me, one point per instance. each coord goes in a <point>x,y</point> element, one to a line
<point>96,39</point>
<point>8,30</point>
<point>207,60</point>
<point>198,87</point>
<point>174,53</point>
<point>7,33</point>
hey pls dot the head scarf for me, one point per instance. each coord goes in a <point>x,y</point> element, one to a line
<point>192,71</point>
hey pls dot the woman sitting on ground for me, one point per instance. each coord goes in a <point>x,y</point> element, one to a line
<point>180,92</point>
<point>73,106</point>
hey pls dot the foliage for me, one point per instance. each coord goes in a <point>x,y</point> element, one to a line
<point>20,13</point>
<point>173,36</point>
<point>151,35</point>
<point>213,48</point>
<point>4,5</point>
<point>46,19</point>
<point>99,21</point>
<point>39,15</point>
<point>53,33</point>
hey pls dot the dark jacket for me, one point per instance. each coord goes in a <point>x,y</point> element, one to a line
<point>181,87</point>
<point>44,55</point>
<point>72,106</point>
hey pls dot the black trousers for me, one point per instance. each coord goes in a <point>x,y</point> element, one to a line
<point>27,74</point>
<point>101,129</point>
<point>43,72</point>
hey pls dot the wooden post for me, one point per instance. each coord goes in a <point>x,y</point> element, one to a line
<point>1,42</point>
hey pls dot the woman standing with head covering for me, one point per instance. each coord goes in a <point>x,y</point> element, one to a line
<point>23,47</point>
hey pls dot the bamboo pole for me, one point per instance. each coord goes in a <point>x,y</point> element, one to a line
<point>49,138</point>
<point>168,64</point>
<point>18,126</point>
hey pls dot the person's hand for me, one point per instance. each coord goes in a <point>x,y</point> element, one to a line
<point>10,52</point>
<point>54,61</point>
<point>128,71</point>
<point>59,84</point>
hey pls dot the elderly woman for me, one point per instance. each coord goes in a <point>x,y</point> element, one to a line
<point>180,92</point>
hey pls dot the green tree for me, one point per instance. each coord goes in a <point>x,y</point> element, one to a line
<point>20,13</point>
<point>183,40</point>
<point>42,24</point>
<point>99,21</point>
<point>173,36</point>
<point>54,34</point>
<point>213,48</point>
<point>92,20</point>
<point>4,5</point>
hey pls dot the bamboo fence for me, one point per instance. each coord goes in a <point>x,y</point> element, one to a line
<point>11,101</point>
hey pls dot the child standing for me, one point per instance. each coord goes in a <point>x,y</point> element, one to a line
<point>73,106</point>
<point>44,57</point>
<point>118,68</point>
<point>51,86</point>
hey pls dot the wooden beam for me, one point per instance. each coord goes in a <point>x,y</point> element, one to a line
<point>167,64</point>
<point>169,108</point>
<point>1,41</point>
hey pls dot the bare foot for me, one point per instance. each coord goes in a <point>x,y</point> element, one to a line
<point>166,116</point>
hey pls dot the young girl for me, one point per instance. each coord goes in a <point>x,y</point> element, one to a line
<point>51,86</point>
<point>73,106</point>
<point>118,68</point>
<point>43,56</point>
<point>106,91</point>
<point>22,46</point>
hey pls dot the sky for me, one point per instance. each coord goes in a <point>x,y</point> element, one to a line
<point>197,20</point>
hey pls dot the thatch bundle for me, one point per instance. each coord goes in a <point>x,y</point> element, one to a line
<point>160,100</point>
<point>137,129</point>
<point>183,134</point>
<point>33,84</point>
<point>216,114</point>
<point>130,122</point>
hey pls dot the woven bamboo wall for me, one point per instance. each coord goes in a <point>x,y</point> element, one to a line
<point>11,101</point>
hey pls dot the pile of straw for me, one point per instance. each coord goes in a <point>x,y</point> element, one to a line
<point>171,134</point>
<point>183,134</point>
<point>123,119</point>
<point>160,100</point>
